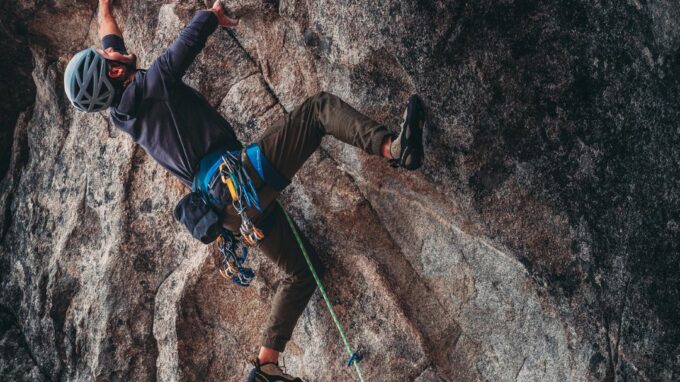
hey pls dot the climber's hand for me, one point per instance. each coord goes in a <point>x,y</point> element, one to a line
<point>222,19</point>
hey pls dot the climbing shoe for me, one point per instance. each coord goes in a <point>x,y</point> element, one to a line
<point>407,148</point>
<point>269,372</point>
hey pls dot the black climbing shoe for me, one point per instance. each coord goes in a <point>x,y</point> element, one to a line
<point>407,147</point>
<point>269,372</point>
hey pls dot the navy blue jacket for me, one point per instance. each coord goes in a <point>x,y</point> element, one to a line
<point>173,122</point>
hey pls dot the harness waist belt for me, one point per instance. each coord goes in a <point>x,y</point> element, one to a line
<point>207,168</point>
<point>265,170</point>
<point>210,164</point>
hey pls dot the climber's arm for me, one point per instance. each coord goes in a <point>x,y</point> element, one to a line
<point>107,23</point>
<point>181,54</point>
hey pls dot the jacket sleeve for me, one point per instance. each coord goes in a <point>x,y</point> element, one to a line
<point>180,55</point>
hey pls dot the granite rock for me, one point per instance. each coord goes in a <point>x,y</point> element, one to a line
<point>539,241</point>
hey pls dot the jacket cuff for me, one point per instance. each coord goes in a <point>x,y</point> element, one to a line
<point>207,18</point>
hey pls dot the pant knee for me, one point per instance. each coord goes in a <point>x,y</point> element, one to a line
<point>321,95</point>
<point>322,98</point>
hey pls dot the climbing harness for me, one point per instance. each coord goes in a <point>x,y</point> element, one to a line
<point>354,357</point>
<point>243,195</point>
<point>265,170</point>
<point>225,166</point>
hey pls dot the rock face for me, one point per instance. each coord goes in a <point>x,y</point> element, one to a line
<point>539,242</point>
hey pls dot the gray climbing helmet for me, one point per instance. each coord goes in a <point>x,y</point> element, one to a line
<point>85,82</point>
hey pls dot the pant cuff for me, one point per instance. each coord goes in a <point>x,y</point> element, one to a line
<point>277,343</point>
<point>377,141</point>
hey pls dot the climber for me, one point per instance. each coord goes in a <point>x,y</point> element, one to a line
<point>177,127</point>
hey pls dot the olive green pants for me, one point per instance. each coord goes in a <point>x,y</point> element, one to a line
<point>287,145</point>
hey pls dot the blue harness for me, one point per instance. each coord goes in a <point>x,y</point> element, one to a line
<point>210,165</point>
<point>227,166</point>
<point>264,168</point>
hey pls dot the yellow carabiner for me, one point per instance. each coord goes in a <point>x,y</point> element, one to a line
<point>232,190</point>
<point>224,179</point>
<point>230,184</point>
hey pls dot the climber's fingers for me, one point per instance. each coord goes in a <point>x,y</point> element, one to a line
<point>222,19</point>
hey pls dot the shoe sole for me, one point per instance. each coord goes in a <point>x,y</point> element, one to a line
<point>258,376</point>
<point>414,124</point>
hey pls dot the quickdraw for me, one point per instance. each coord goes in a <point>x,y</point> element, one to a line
<point>232,265</point>
<point>243,196</point>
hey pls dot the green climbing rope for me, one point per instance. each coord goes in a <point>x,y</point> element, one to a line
<point>354,359</point>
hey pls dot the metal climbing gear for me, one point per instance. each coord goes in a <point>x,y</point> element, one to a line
<point>232,266</point>
<point>243,195</point>
<point>354,357</point>
<point>226,166</point>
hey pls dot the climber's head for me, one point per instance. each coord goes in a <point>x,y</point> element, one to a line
<point>94,79</point>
